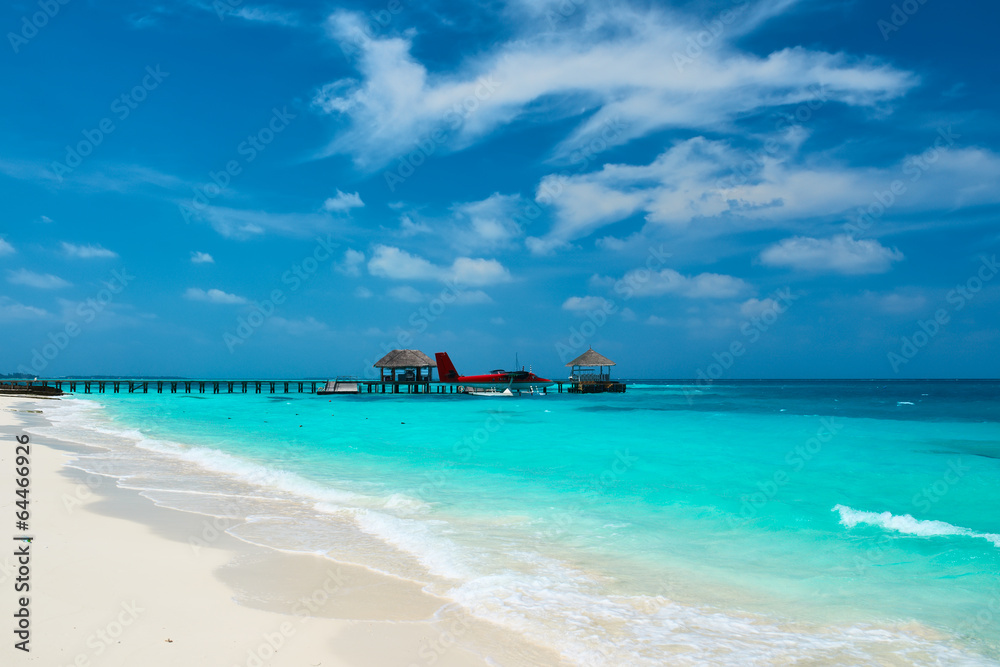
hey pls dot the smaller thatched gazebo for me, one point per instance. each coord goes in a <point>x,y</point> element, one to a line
<point>590,367</point>
<point>410,363</point>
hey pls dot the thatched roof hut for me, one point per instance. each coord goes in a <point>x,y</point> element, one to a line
<point>591,360</point>
<point>411,362</point>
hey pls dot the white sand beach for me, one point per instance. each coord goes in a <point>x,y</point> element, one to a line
<point>114,580</point>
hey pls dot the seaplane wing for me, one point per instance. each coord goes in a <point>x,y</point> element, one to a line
<point>497,379</point>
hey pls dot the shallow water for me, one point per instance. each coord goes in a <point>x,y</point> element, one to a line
<point>752,523</point>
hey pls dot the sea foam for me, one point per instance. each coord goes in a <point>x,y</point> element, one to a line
<point>908,525</point>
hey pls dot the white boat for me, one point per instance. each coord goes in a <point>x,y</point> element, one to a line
<point>475,391</point>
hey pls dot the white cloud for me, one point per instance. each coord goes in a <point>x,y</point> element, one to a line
<point>6,248</point>
<point>406,293</point>
<point>596,69</point>
<point>487,224</point>
<point>642,282</point>
<point>839,254</point>
<point>363,293</point>
<point>353,259</point>
<point>212,296</point>
<point>37,280</point>
<point>343,202</point>
<point>408,228</point>
<point>45,219</point>
<point>198,257</point>
<point>657,321</point>
<point>91,251</point>
<point>704,181</point>
<point>397,264</point>
<point>471,297</point>
<point>478,272</point>
<point>391,262</point>
<point>756,307</point>
<point>585,303</point>
<point>12,310</point>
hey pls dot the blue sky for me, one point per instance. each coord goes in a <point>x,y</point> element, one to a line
<point>725,189</point>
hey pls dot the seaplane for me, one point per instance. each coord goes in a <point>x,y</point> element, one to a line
<point>494,383</point>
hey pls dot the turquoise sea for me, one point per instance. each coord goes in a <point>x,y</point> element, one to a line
<point>744,523</point>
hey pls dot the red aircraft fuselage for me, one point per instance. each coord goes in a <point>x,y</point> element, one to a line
<point>498,380</point>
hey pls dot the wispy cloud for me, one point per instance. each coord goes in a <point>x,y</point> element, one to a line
<point>839,254</point>
<point>12,310</point>
<point>598,67</point>
<point>6,248</point>
<point>36,280</point>
<point>213,296</point>
<point>90,251</point>
<point>242,224</point>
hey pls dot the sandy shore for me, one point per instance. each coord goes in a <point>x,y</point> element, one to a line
<point>114,580</point>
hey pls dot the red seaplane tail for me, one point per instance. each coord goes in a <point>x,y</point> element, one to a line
<point>446,369</point>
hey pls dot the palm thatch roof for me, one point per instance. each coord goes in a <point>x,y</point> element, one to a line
<point>405,359</point>
<point>591,358</point>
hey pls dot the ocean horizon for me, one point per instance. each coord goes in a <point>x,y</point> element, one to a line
<point>748,522</point>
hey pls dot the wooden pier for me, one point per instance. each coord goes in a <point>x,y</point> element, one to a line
<point>212,387</point>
